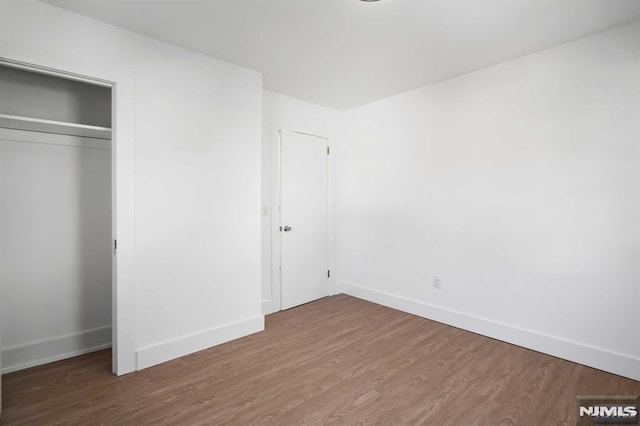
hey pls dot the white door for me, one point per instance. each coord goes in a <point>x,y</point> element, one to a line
<point>304,219</point>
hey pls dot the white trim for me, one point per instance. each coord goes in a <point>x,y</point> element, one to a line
<point>332,182</point>
<point>270,307</point>
<point>602,359</point>
<point>122,83</point>
<point>304,133</point>
<point>25,66</point>
<point>18,122</point>
<point>274,304</point>
<point>29,136</point>
<point>185,345</point>
<point>55,349</point>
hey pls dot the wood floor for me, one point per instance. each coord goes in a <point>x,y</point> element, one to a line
<point>339,360</point>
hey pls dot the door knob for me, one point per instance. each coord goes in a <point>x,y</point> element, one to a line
<point>286,228</point>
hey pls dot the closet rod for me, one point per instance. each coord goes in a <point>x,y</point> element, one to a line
<point>42,138</point>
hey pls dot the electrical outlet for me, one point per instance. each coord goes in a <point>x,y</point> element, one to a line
<point>437,282</point>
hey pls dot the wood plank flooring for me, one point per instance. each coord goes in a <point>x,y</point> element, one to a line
<point>339,360</point>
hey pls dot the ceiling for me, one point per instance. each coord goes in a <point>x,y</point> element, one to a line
<point>344,53</point>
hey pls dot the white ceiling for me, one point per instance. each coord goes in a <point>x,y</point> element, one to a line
<point>344,53</point>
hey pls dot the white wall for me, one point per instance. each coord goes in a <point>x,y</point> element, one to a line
<point>520,186</point>
<point>283,112</point>
<point>197,178</point>
<point>55,250</point>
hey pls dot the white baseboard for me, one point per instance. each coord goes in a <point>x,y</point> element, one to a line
<point>172,349</point>
<point>580,353</point>
<point>55,349</point>
<point>269,307</point>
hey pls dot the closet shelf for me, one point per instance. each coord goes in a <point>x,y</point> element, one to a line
<point>18,122</point>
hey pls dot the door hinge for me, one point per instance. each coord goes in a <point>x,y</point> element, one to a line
<point>329,274</point>
<point>328,150</point>
<point>115,245</point>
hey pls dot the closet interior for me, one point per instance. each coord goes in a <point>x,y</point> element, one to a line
<point>56,244</point>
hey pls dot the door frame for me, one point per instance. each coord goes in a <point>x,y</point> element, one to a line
<point>275,302</point>
<point>122,178</point>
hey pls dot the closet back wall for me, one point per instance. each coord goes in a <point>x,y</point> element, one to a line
<point>55,223</point>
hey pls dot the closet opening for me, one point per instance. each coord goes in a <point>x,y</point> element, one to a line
<point>57,220</point>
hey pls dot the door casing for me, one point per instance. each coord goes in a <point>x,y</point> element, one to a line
<point>274,303</point>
